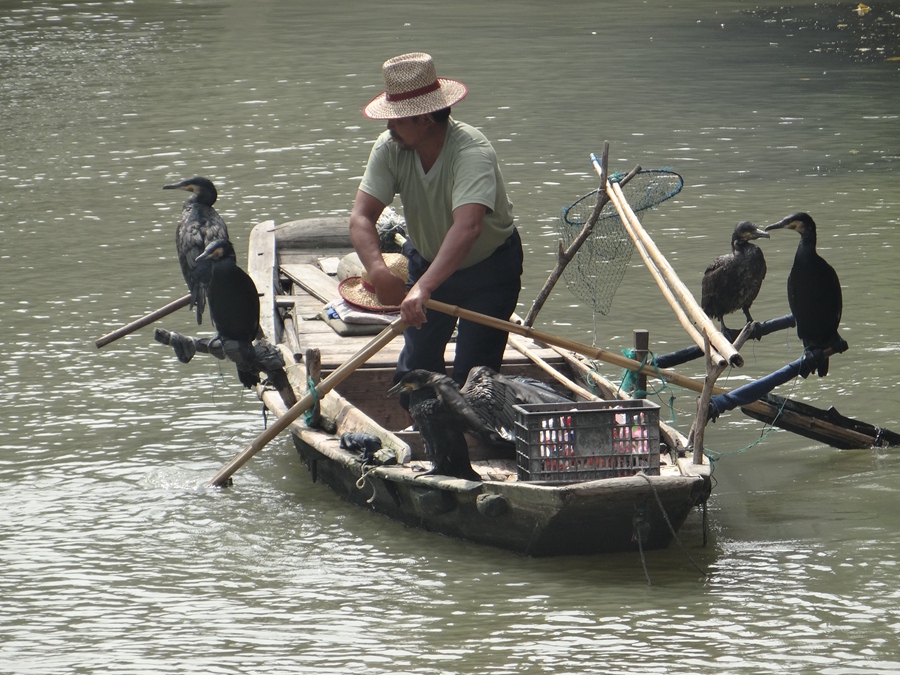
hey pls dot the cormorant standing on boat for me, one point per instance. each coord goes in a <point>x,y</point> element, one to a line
<point>492,396</point>
<point>441,419</point>
<point>233,304</point>
<point>814,293</point>
<point>198,227</point>
<point>732,281</point>
<point>483,406</point>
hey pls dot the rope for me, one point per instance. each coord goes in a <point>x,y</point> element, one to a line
<point>637,522</point>
<point>764,434</point>
<point>311,388</point>
<point>361,481</point>
<point>632,376</point>
<point>669,524</point>
<point>641,529</point>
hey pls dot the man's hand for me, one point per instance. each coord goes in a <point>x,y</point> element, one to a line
<point>389,288</point>
<point>412,309</point>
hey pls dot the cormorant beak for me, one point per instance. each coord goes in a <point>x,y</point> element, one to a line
<point>759,233</point>
<point>787,222</point>
<point>213,254</point>
<point>183,185</point>
<point>397,388</point>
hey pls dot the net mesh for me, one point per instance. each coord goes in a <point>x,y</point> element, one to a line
<point>596,271</point>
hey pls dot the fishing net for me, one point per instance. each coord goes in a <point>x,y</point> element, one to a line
<point>596,271</point>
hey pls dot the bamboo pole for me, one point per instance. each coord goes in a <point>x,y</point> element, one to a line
<point>597,353</point>
<point>718,341</point>
<point>565,343</point>
<point>651,265</point>
<point>145,320</point>
<point>335,378</point>
<point>713,371</point>
<point>521,346</point>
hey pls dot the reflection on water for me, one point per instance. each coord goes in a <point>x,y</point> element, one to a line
<point>115,555</point>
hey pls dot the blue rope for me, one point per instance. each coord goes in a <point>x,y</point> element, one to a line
<point>311,389</point>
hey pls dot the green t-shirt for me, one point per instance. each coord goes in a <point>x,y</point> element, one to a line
<point>466,172</point>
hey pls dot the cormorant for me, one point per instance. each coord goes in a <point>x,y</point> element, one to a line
<point>814,292</point>
<point>198,227</point>
<point>483,407</point>
<point>732,281</point>
<point>233,304</point>
<point>492,396</point>
<point>441,420</point>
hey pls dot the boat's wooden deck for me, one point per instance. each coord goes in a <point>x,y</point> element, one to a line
<point>307,286</point>
<point>336,349</point>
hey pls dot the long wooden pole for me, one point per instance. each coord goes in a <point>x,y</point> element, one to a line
<point>580,348</point>
<point>717,340</point>
<point>612,358</point>
<point>335,378</point>
<point>651,265</point>
<point>145,320</point>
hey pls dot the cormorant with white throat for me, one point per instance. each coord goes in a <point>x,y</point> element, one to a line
<point>198,227</point>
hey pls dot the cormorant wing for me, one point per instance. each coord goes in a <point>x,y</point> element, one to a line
<point>492,397</point>
<point>446,390</point>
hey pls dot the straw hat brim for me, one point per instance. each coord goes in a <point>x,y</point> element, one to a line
<point>354,289</point>
<point>353,293</point>
<point>449,93</point>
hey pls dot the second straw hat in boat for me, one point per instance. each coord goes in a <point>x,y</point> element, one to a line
<point>412,87</point>
<point>359,291</point>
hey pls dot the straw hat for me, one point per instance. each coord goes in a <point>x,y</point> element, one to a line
<point>412,87</point>
<point>360,293</point>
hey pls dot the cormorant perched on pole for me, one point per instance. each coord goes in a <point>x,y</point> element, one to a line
<point>732,281</point>
<point>814,292</point>
<point>198,227</point>
<point>233,305</point>
<point>441,417</point>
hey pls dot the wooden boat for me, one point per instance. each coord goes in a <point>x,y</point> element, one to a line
<point>290,264</point>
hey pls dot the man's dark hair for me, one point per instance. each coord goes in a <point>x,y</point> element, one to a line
<point>441,115</point>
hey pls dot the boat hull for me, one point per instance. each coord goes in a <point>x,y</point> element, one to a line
<point>602,516</point>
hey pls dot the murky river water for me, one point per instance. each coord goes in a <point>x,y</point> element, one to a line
<point>114,558</point>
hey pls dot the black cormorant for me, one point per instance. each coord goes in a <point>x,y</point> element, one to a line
<point>482,407</point>
<point>732,281</point>
<point>233,303</point>
<point>492,396</point>
<point>198,227</point>
<point>441,420</point>
<point>814,292</point>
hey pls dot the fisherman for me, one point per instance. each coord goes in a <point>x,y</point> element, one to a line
<point>463,247</point>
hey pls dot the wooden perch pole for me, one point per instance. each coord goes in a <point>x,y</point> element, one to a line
<point>146,320</point>
<point>334,379</point>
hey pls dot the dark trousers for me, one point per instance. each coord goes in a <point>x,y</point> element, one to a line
<point>490,287</point>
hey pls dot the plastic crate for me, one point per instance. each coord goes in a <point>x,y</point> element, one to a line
<point>569,442</point>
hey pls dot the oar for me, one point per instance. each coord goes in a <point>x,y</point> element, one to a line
<point>173,306</point>
<point>335,378</point>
